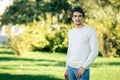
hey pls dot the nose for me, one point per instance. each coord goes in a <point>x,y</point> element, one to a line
<point>77,17</point>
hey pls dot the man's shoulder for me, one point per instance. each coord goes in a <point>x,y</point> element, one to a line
<point>71,30</point>
<point>90,28</point>
<point>91,31</point>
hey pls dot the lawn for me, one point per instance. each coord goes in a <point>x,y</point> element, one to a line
<point>50,66</point>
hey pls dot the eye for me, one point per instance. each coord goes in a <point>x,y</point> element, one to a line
<point>80,15</point>
<point>74,15</point>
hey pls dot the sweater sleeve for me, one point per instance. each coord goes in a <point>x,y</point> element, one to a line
<point>93,43</point>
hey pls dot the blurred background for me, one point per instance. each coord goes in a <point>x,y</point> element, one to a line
<point>33,38</point>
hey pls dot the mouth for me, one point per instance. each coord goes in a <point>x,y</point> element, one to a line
<point>77,20</point>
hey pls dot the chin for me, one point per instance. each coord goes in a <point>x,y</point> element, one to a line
<point>78,23</point>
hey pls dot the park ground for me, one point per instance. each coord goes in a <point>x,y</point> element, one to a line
<point>50,66</point>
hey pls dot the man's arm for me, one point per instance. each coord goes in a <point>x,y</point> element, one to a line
<point>93,48</point>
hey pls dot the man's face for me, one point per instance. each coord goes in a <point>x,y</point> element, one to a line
<point>77,18</point>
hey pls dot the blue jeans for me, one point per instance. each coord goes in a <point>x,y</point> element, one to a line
<point>72,72</point>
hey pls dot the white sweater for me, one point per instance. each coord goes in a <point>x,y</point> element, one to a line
<point>82,47</point>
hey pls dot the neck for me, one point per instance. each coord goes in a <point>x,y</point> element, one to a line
<point>79,25</point>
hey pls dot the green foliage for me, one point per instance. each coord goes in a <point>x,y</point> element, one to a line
<point>105,19</point>
<point>21,12</point>
<point>44,35</point>
<point>45,21</point>
<point>55,34</point>
<point>33,36</point>
<point>58,38</point>
<point>25,11</point>
<point>18,44</point>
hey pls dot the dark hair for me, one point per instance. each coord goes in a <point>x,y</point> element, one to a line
<point>78,9</point>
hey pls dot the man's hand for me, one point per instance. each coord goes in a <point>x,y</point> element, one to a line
<point>80,72</point>
<point>66,75</point>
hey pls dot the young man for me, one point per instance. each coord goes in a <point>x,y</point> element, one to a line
<point>82,48</point>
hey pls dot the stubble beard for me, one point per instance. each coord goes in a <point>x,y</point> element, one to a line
<point>79,24</point>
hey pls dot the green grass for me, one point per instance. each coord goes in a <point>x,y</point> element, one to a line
<point>50,66</point>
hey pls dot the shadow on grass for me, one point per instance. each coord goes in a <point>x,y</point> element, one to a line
<point>61,64</point>
<point>3,46</point>
<point>104,64</point>
<point>23,59</point>
<point>6,52</point>
<point>6,76</point>
<point>58,64</point>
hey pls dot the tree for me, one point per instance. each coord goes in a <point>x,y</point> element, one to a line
<point>103,15</point>
<point>22,11</point>
<point>25,11</point>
